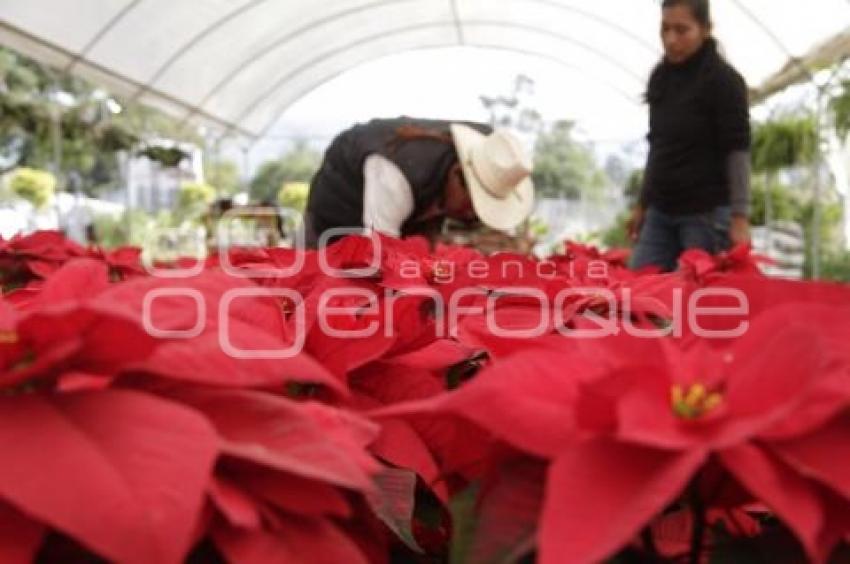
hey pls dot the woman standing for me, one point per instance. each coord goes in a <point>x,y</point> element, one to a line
<point>696,188</point>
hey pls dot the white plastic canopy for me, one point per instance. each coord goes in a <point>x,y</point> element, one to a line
<point>240,64</point>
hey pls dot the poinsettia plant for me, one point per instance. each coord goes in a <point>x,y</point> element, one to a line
<point>382,401</point>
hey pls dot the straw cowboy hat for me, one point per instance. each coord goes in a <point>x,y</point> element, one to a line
<point>497,171</point>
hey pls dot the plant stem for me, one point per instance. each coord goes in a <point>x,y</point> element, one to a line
<point>649,542</point>
<point>698,534</point>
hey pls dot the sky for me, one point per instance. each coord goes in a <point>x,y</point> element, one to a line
<point>446,83</point>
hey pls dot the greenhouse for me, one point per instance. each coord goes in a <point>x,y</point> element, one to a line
<point>424,281</point>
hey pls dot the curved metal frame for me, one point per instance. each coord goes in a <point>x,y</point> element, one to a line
<point>457,23</point>
<point>66,55</point>
<point>767,31</point>
<point>604,21</point>
<point>281,82</point>
<point>253,58</point>
<point>774,38</point>
<point>95,39</point>
<point>195,40</point>
<point>248,61</point>
<point>529,52</point>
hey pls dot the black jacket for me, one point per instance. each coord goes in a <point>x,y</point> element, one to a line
<point>698,114</point>
<point>336,192</point>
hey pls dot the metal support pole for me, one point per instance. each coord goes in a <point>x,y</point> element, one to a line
<point>246,167</point>
<point>56,118</point>
<point>816,195</point>
<point>821,149</point>
<point>768,214</point>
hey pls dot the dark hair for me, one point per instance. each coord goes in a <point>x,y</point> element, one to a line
<point>700,9</point>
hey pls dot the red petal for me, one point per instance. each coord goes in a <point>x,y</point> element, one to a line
<point>526,400</point>
<point>437,355</point>
<point>282,434</point>
<point>514,324</point>
<point>78,279</point>
<point>830,397</point>
<point>763,294</point>
<point>390,383</point>
<point>790,496</point>
<point>836,527</point>
<point>20,537</point>
<point>123,473</point>
<point>81,382</point>
<point>174,309</point>
<point>202,360</point>
<point>401,446</point>
<point>795,355</point>
<point>45,361</point>
<point>672,533</point>
<point>822,455</point>
<point>107,341</point>
<point>239,509</point>
<point>42,268</point>
<point>599,494</point>
<point>297,495</point>
<point>343,355</point>
<point>456,445</point>
<point>799,363</point>
<point>297,541</point>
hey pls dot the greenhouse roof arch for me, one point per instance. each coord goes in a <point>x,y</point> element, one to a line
<point>240,64</point>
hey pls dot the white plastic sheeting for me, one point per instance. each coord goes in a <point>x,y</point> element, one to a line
<point>241,63</point>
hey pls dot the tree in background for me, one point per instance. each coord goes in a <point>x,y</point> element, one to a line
<point>564,167</point>
<point>35,186</point>
<point>617,170</point>
<point>784,142</point>
<point>633,186</point>
<point>195,198</point>
<point>514,110</point>
<point>35,99</point>
<point>785,149</point>
<point>840,108</point>
<point>94,127</point>
<point>617,235</point>
<point>298,165</point>
<point>293,195</point>
<point>784,205</point>
<point>223,175</point>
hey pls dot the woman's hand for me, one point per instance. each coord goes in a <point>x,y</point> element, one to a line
<point>739,230</point>
<point>635,223</point>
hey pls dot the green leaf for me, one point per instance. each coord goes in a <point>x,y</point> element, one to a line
<point>462,508</point>
<point>509,513</point>
<point>394,502</point>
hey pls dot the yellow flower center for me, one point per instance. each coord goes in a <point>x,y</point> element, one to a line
<point>8,337</point>
<point>694,401</point>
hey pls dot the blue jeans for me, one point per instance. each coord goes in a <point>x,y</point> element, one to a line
<point>664,236</point>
